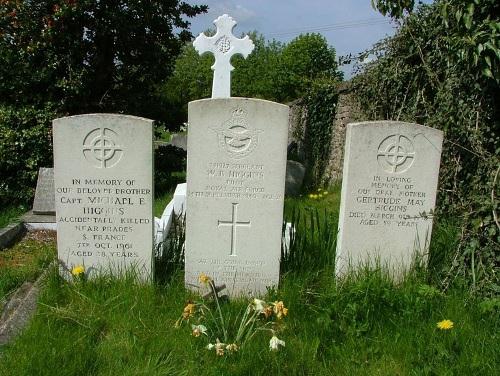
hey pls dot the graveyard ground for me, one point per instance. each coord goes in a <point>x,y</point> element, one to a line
<point>366,325</point>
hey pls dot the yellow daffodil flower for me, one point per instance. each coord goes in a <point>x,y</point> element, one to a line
<point>189,311</point>
<point>279,309</point>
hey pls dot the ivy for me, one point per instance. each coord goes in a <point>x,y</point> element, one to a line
<point>321,103</point>
<point>441,69</point>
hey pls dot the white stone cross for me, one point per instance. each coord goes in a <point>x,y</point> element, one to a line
<point>233,223</point>
<point>223,45</point>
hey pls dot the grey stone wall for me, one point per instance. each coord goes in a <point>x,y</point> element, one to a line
<point>348,111</point>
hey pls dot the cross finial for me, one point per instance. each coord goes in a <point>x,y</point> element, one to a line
<point>223,45</point>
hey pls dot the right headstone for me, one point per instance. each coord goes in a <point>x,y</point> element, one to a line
<point>389,188</point>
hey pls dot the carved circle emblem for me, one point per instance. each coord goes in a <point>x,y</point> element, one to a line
<point>223,44</point>
<point>101,148</point>
<point>396,154</point>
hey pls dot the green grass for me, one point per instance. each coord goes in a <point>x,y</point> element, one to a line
<point>161,202</point>
<point>10,214</point>
<point>365,324</point>
<point>24,262</point>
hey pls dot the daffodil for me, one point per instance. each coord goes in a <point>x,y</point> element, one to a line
<point>259,305</point>
<point>219,348</point>
<point>267,312</point>
<point>279,309</point>
<point>275,343</point>
<point>189,311</point>
<point>198,330</point>
<point>78,270</point>
<point>310,195</point>
<point>233,347</point>
<point>445,324</point>
<point>204,279</point>
<point>325,193</point>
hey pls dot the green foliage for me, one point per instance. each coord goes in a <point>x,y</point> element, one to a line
<point>24,261</point>
<point>394,8</point>
<point>273,71</point>
<point>65,57</point>
<point>169,160</point>
<point>442,69</point>
<point>91,56</point>
<point>305,60</point>
<point>320,104</point>
<point>25,145</point>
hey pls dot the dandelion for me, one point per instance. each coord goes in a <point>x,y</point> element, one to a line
<point>189,310</point>
<point>445,324</point>
<point>198,330</point>
<point>279,309</point>
<point>204,279</point>
<point>78,270</point>
<point>275,343</point>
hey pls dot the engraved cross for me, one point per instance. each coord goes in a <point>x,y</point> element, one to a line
<point>233,224</point>
<point>223,45</point>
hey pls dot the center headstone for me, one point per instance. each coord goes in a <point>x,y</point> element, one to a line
<point>389,188</point>
<point>235,179</point>
<point>103,173</point>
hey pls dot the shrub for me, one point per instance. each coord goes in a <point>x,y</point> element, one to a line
<point>25,146</point>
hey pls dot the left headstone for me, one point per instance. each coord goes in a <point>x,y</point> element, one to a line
<point>103,174</point>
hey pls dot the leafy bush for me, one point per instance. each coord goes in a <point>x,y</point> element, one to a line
<point>25,146</point>
<point>168,161</point>
<point>441,69</point>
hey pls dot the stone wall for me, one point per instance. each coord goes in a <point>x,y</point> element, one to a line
<point>348,111</point>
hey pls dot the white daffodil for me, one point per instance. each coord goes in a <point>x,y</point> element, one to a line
<point>198,330</point>
<point>259,305</point>
<point>275,343</point>
<point>210,346</point>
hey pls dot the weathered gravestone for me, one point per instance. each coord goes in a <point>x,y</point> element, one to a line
<point>104,192</point>
<point>389,187</point>
<point>44,195</point>
<point>43,215</point>
<point>235,182</point>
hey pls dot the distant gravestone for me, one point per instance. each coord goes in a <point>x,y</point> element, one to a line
<point>104,192</point>
<point>235,178</point>
<point>389,188</point>
<point>44,202</point>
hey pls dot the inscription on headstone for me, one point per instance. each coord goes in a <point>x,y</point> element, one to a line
<point>389,188</point>
<point>45,195</point>
<point>235,190</point>
<point>104,191</point>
